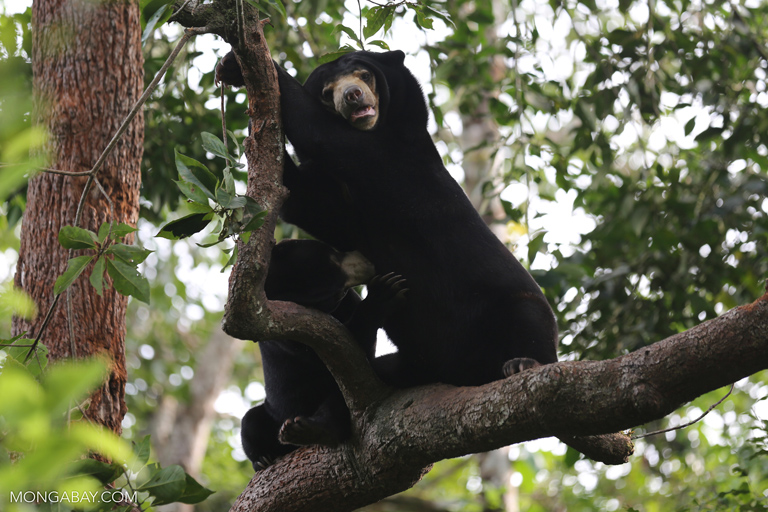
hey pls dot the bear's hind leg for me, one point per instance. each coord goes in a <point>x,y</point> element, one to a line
<point>258,433</point>
<point>328,426</point>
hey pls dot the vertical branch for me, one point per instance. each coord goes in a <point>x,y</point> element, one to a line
<point>264,152</point>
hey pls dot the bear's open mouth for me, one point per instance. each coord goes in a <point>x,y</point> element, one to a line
<point>366,111</point>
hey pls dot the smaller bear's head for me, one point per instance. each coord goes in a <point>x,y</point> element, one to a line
<point>359,86</point>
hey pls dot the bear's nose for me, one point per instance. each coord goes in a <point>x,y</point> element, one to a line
<point>353,94</point>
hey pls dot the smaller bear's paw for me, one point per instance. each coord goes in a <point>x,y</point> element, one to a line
<point>262,463</point>
<point>305,431</point>
<point>518,365</point>
<point>228,72</point>
<point>387,289</point>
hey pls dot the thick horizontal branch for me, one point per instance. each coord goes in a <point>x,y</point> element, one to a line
<point>588,397</point>
<point>399,438</point>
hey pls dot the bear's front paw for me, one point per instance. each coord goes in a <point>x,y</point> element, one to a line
<point>387,290</point>
<point>262,463</point>
<point>305,431</point>
<point>518,365</point>
<point>228,71</point>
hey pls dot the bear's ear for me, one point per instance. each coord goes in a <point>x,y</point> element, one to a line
<point>395,58</point>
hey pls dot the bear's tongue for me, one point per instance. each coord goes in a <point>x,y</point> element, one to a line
<point>363,112</point>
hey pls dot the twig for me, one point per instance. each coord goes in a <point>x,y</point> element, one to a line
<point>223,118</point>
<point>66,173</point>
<point>360,25</point>
<point>179,10</point>
<point>685,424</point>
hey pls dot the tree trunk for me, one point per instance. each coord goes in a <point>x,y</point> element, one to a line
<point>180,431</point>
<point>87,74</point>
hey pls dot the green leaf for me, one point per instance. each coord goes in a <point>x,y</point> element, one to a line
<point>185,226</point>
<point>380,44</point>
<point>709,133</point>
<point>141,452</point>
<point>121,230</point>
<point>71,382</point>
<point>193,491</point>
<point>71,237</point>
<point>118,231</point>
<point>156,21</point>
<point>227,200</point>
<point>441,15</point>
<point>275,4</point>
<point>166,486</point>
<point>229,181</point>
<point>534,246</point>
<point>75,267</point>
<point>129,253</point>
<point>192,171</point>
<point>205,246</point>
<point>103,232</point>
<point>231,260</point>
<point>328,57</point>
<point>254,215</point>
<point>255,221</point>
<point>97,275</point>
<point>215,145</point>
<point>689,126</point>
<point>375,19</point>
<point>421,17</point>
<point>15,301</point>
<point>192,192</point>
<point>19,354</point>
<point>351,33</point>
<point>101,471</point>
<point>199,208</point>
<point>127,280</point>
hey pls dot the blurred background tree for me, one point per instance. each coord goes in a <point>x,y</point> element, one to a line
<point>618,147</point>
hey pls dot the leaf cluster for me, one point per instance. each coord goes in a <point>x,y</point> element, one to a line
<point>120,261</point>
<point>236,215</point>
<point>40,450</point>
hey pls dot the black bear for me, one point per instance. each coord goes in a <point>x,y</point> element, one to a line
<point>303,404</point>
<point>371,180</point>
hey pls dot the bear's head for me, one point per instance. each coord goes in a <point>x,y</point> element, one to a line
<point>365,88</point>
<point>353,95</point>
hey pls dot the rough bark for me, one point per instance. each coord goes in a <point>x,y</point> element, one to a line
<point>87,74</point>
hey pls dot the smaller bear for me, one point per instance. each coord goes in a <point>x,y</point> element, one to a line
<point>303,403</point>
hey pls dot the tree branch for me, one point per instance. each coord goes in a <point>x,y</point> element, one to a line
<point>396,440</point>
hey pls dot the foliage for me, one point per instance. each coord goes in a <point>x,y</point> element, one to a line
<point>119,260</point>
<point>240,214</point>
<point>41,454</point>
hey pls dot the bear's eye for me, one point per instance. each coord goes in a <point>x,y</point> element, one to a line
<point>327,94</point>
<point>365,76</point>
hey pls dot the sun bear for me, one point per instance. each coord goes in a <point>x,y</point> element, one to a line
<point>303,404</point>
<point>371,180</point>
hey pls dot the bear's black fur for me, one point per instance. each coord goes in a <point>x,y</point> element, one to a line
<point>303,404</point>
<point>383,191</point>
